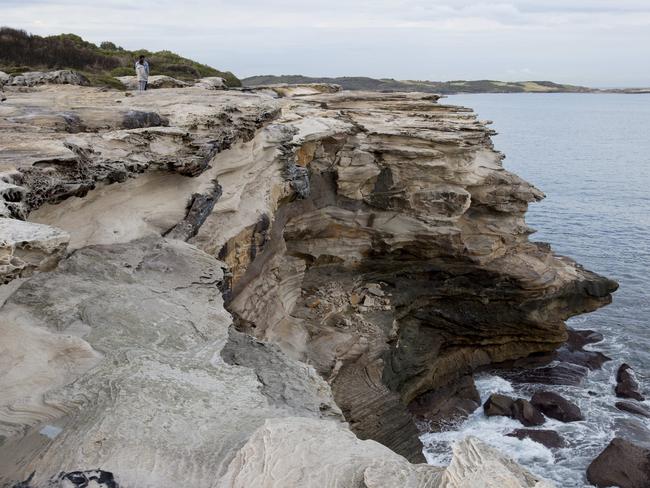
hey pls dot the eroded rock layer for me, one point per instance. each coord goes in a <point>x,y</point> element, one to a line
<point>255,281</point>
<point>411,258</point>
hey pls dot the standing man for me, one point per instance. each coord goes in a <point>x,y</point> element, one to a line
<point>142,60</point>
<point>142,73</point>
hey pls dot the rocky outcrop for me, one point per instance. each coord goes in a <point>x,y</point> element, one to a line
<point>255,276</point>
<point>154,81</point>
<point>621,464</point>
<point>211,83</point>
<point>60,77</point>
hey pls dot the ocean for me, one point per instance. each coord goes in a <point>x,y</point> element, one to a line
<point>590,155</point>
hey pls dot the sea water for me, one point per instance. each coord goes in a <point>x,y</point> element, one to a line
<point>590,155</point>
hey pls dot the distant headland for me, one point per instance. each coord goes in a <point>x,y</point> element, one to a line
<point>443,87</point>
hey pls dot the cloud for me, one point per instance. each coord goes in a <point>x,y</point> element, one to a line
<point>401,38</point>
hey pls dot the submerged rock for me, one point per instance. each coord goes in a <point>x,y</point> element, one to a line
<point>621,464</point>
<point>555,406</point>
<point>548,438</point>
<point>635,408</point>
<point>557,374</point>
<point>626,384</point>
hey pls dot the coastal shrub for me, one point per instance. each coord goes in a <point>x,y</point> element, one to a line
<point>106,81</point>
<point>16,70</point>
<point>123,71</point>
<point>17,47</point>
<point>69,51</point>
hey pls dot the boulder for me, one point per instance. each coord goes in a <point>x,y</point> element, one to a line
<point>635,408</point>
<point>568,374</point>
<point>498,405</point>
<point>155,81</point>
<point>526,413</point>
<point>626,384</point>
<point>621,464</point>
<point>554,406</point>
<point>60,77</point>
<point>518,409</point>
<point>4,78</point>
<point>548,438</point>
<point>212,83</point>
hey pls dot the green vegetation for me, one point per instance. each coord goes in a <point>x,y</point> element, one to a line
<point>443,87</point>
<point>20,52</point>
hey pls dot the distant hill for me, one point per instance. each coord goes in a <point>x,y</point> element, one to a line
<point>20,52</point>
<point>444,87</point>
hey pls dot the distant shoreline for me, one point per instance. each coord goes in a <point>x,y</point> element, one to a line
<point>456,87</point>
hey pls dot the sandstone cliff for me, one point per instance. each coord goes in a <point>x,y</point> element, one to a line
<point>250,280</point>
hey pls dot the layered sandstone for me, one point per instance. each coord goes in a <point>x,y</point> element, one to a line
<point>256,276</point>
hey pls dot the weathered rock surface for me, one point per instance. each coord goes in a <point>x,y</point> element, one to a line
<point>475,465</point>
<point>626,383</point>
<point>621,464</point>
<point>375,237</point>
<point>26,247</point>
<point>180,135</point>
<point>555,406</point>
<point>125,344</point>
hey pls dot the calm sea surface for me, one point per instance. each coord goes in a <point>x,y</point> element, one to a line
<point>590,155</point>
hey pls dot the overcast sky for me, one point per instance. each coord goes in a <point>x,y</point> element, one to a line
<point>593,42</point>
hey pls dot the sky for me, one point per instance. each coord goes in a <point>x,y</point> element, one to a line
<point>600,43</point>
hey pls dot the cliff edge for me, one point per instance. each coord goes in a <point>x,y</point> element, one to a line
<point>221,288</point>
